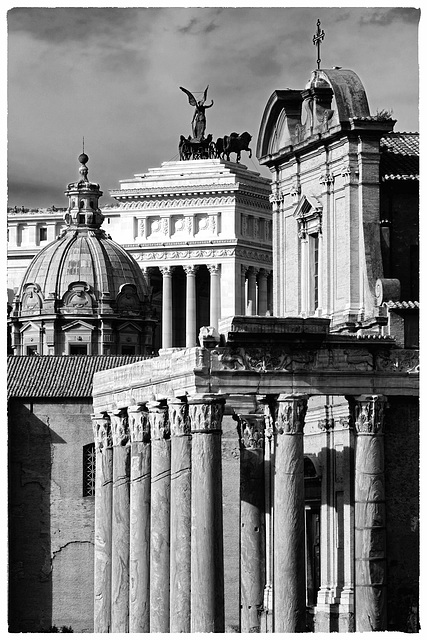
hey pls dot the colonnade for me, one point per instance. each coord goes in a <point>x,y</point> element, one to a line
<point>158,516</point>
<point>254,298</point>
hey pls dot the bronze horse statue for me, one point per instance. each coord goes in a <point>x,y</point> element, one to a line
<point>234,143</point>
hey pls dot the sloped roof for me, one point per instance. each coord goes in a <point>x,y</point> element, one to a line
<point>399,156</point>
<point>58,376</point>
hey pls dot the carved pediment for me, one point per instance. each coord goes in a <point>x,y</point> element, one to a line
<point>32,300</point>
<point>308,214</point>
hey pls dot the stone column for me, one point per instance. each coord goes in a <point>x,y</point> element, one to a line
<point>190,318</point>
<point>252,565</point>
<point>140,498</point>
<point>270,304</point>
<point>251,306</point>
<point>267,614</point>
<point>120,528</point>
<point>103,509</point>
<point>370,531</point>
<point>244,303</point>
<point>167,307</point>
<point>262,292</point>
<point>180,544</point>
<point>160,518</point>
<point>289,516</point>
<point>207,562</point>
<point>215,297</point>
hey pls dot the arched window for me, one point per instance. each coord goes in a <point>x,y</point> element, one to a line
<point>89,470</point>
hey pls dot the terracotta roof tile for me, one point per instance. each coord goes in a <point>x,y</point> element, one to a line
<point>399,156</point>
<point>58,376</point>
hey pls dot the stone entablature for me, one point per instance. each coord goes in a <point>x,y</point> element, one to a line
<point>296,355</point>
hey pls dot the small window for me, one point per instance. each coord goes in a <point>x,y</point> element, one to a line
<point>78,350</point>
<point>89,459</point>
<point>43,234</point>
<point>128,350</point>
<point>82,218</point>
<point>32,350</point>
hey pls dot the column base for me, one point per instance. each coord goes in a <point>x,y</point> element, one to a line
<point>334,617</point>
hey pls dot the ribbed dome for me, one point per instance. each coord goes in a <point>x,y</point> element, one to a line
<point>84,255</point>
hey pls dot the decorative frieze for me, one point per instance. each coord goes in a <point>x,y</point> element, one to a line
<point>179,203</point>
<point>252,255</point>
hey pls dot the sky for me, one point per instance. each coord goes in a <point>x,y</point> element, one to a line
<point>112,76</point>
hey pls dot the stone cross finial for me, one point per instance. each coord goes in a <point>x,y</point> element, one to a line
<point>317,39</point>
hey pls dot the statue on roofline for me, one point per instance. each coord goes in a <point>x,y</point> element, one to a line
<point>198,123</point>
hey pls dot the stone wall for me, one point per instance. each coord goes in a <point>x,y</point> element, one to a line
<point>50,522</point>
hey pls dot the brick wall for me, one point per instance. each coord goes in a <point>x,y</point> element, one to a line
<point>50,522</point>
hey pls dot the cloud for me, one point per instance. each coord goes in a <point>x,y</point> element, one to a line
<point>385,17</point>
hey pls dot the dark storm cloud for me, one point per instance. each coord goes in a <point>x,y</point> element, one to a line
<point>388,16</point>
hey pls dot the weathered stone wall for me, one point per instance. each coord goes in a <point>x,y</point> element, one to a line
<point>401,444</point>
<point>50,522</point>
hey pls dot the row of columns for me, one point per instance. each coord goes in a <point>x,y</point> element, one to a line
<point>190,303</point>
<point>158,518</point>
<point>257,298</point>
<point>272,527</point>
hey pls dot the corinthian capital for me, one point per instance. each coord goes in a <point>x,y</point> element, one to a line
<point>139,425</point>
<point>178,417</point>
<point>251,430</point>
<point>101,431</point>
<point>369,414</point>
<point>119,427</point>
<point>159,422</point>
<point>206,413</point>
<point>291,410</point>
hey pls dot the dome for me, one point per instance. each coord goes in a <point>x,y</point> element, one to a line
<point>88,256</point>
<point>83,294</point>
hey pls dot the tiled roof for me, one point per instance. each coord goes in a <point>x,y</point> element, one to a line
<point>58,376</point>
<point>399,156</point>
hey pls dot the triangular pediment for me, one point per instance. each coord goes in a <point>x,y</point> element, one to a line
<point>77,325</point>
<point>308,205</point>
<point>128,326</point>
<point>29,325</point>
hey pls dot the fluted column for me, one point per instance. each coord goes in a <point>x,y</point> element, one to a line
<point>160,517</point>
<point>103,509</point>
<point>167,307</point>
<point>289,527</point>
<point>140,497</point>
<point>190,306</point>
<point>251,306</point>
<point>262,292</point>
<point>120,527</point>
<point>180,545</point>
<point>215,295</point>
<point>252,565</point>
<point>207,562</point>
<point>370,516</point>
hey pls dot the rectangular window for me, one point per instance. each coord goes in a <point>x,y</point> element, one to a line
<point>314,272</point>
<point>42,234</point>
<point>128,350</point>
<point>77,350</point>
<point>32,350</point>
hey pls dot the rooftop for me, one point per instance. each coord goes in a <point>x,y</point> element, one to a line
<point>400,156</point>
<point>58,376</point>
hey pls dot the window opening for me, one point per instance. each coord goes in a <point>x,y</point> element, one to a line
<point>89,464</point>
